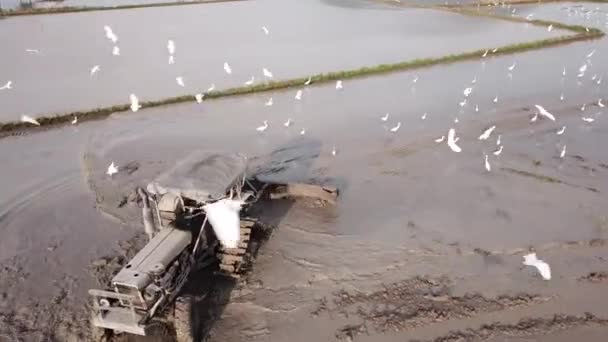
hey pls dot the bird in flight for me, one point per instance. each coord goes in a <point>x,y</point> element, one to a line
<point>227,68</point>
<point>267,73</point>
<point>8,85</point>
<point>486,134</point>
<point>94,70</point>
<point>396,128</point>
<point>112,169</point>
<point>542,111</point>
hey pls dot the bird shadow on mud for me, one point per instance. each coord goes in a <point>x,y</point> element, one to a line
<point>210,292</point>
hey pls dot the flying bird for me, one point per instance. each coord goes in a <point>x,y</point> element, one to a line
<point>563,153</point>
<point>415,79</point>
<point>561,97</point>
<point>199,97</point>
<point>8,85</point>
<point>440,139</point>
<point>33,51</point>
<point>512,66</point>
<point>211,88</point>
<point>110,34</point>
<point>29,119</point>
<point>423,117</point>
<point>180,81</point>
<point>171,47</point>
<point>486,134</point>
<point>488,167</point>
<point>485,53</point>
<point>333,151</point>
<point>587,119</point>
<point>452,141</point>
<point>269,102</point>
<point>94,69</point>
<point>542,111</point>
<point>308,81</point>
<point>476,108</point>
<point>303,131</point>
<point>495,99</point>
<point>135,106</point>
<point>582,69</point>
<point>564,72</point>
<point>385,117</point>
<point>338,84</point>
<point>468,91</point>
<point>267,73</point>
<point>396,128</point>
<point>550,28</point>
<point>561,131</point>
<point>463,103</point>
<point>298,95</point>
<point>542,267</point>
<point>112,169</point>
<point>116,51</point>
<point>265,29</point>
<point>263,127</point>
<point>171,59</point>
<point>494,50</point>
<point>227,68</point>
<point>474,80</point>
<point>499,151</point>
<point>529,16</point>
<point>250,81</point>
<point>590,54</point>
<point>287,123</point>
<point>75,120</point>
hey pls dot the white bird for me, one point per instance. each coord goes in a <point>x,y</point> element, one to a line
<point>112,169</point>
<point>267,73</point>
<point>485,53</point>
<point>550,28</point>
<point>110,34</point>
<point>440,139</point>
<point>600,104</point>
<point>564,72</point>
<point>29,119</point>
<point>8,85</point>
<point>33,51</point>
<point>542,111</point>
<point>512,66</point>
<point>593,77</point>
<point>583,107</point>
<point>468,92</point>
<point>308,81</point>
<point>269,102</point>
<point>298,95</point>
<point>599,80</point>
<point>385,117</point>
<point>171,47</point>
<point>495,99</point>
<point>477,108</point>
<point>563,153</point>
<point>456,120</point>
<point>590,54</point>
<point>452,141</point>
<point>263,127</point>
<point>396,128</point>
<point>415,79</point>
<point>561,131</point>
<point>199,97</point>
<point>75,120</point>
<point>486,134</point>
<point>488,167</point>
<point>542,267</point>
<point>211,88</point>
<point>135,106</point>
<point>287,123</point>
<point>582,70</point>
<point>171,59</point>
<point>224,218</point>
<point>250,81</point>
<point>180,81</point>
<point>95,69</point>
<point>303,131</point>
<point>116,51</point>
<point>494,50</point>
<point>499,151</point>
<point>561,97</point>
<point>498,140</point>
<point>529,16</point>
<point>227,68</point>
<point>338,84</point>
<point>589,120</point>
<point>474,80</point>
<point>463,103</point>
<point>265,29</point>
<point>334,152</point>
<point>423,117</point>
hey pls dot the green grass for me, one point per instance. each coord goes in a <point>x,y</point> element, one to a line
<point>581,33</point>
<point>72,9</point>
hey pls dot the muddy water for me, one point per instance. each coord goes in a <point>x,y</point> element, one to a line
<point>408,206</point>
<point>304,39</point>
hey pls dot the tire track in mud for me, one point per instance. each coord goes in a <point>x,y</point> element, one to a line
<point>526,327</point>
<point>413,303</point>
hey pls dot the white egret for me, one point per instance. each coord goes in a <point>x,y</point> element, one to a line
<point>485,53</point>
<point>512,66</point>
<point>267,73</point>
<point>561,130</point>
<point>180,81</point>
<point>199,97</point>
<point>588,119</point>
<point>495,99</point>
<point>8,85</point>
<point>476,108</point>
<point>75,120</point>
<point>550,28</point>
<point>171,59</point>
<point>33,51</point>
<point>440,139</point>
<point>334,151</point>
<point>29,119</point>
<point>263,127</point>
<point>590,54</point>
<point>269,102</point>
<point>468,91</point>
<point>542,111</point>
<point>287,123</point>
<point>600,104</point>
<point>110,34</point>
<point>250,81</point>
<point>339,85</point>
<point>95,69</point>
<point>486,134</point>
<point>135,106</point>
<point>385,117</point>
<point>415,79</point>
<point>227,68</point>
<point>488,167</point>
<point>563,153</point>
<point>308,81</point>
<point>112,169</point>
<point>265,29</point>
<point>116,51</point>
<point>396,128</point>
<point>452,141</point>
<point>498,139</point>
<point>423,117</point>
<point>171,47</point>
<point>499,151</point>
<point>543,268</point>
<point>211,88</point>
<point>303,131</point>
<point>298,95</point>
<point>463,103</point>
